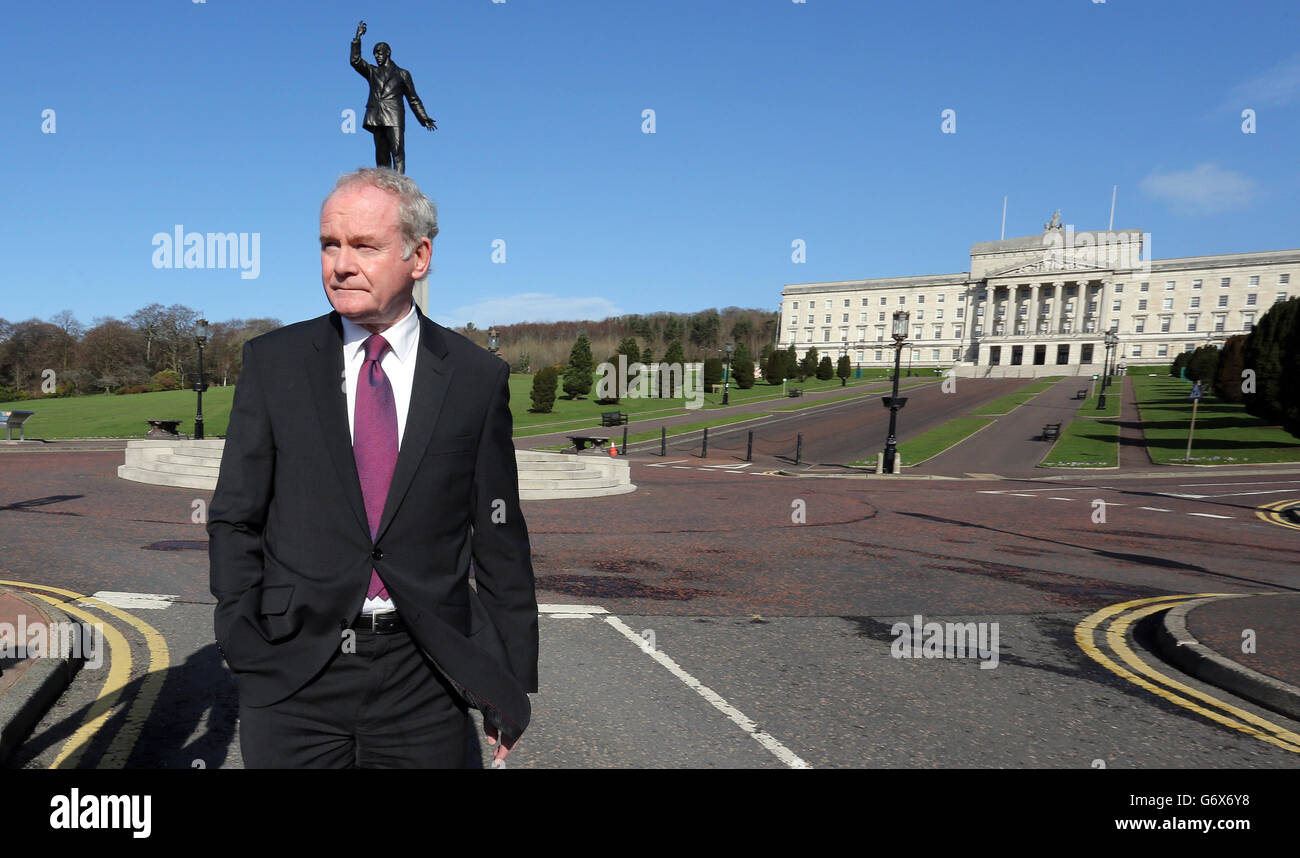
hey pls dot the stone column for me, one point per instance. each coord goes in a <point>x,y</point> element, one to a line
<point>989,310</point>
<point>1103,306</point>
<point>1058,302</point>
<point>1032,323</point>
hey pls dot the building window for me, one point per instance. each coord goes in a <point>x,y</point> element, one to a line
<point>1248,321</point>
<point>1136,352</point>
<point>956,354</point>
<point>1223,300</point>
<point>1283,279</point>
<point>880,334</point>
<point>846,302</point>
<point>1169,285</point>
<point>1168,304</point>
<point>979,311</point>
<point>1218,323</point>
<point>1189,347</point>
<point>902,299</point>
<point>916,354</point>
<point>812,319</point>
<point>1145,287</point>
<point>1063,354</point>
<point>1192,321</point>
<point>920,314</point>
<point>934,354</point>
<point>1196,302</point>
<point>883,299</point>
<point>859,357</point>
<point>961,312</point>
<point>862,334</point>
<point>1224,282</point>
<point>1092,306</point>
<point>938,314</point>
<point>995,355</point>
<point>845,317</point>
<point>939,298</point>
<point>828,318</point>
<point>1254,280</point>
<point>957,331</point>
<point>864,302</point>
<point>1196,284</point>
<point>1281,296</point>
<point>1250,299</point>
<point>1162,351</point>
<point>1164,325</point>
<point>796,305</point>
<point>1139,325</point>
<point>917,333</point>
<point>1142,303</point>
<point>1119,288</point>
<point>1085,353</point>
<point>862,317</point>
<point>1115,306</point>
<point>826,335</point>
<point>920,299</point>
<point>878,355</point>
<point>938,332</point>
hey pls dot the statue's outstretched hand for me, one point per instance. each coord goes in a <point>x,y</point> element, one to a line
<point>361,30</point>
<point>431,125</point>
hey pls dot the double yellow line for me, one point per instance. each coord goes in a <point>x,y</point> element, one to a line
<point>1272,513</point>
<point>119,675</point>
<point>1118,619</point>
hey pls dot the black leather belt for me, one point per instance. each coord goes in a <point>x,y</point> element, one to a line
<point>379,623</point>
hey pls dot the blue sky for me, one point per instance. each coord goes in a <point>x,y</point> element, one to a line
<point>774,121</point>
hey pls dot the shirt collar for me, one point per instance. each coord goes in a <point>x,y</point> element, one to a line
<point>401,337</point>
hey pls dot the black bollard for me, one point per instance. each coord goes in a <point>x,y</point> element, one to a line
<point>704,452</point>
<point>798,449</point>
<point>749,447</point>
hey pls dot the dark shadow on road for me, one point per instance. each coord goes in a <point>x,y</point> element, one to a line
<point>31,505</point>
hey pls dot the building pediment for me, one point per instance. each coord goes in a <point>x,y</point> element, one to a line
<point>1051,264</point>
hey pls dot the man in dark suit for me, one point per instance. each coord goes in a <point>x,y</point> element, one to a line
<point>385,114</point>
<point>367,466</point>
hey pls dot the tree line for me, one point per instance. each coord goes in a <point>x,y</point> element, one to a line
<point>1258,370</point>
<point>153,348</point>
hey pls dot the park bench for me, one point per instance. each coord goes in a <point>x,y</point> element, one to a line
<point>1081,394</point>
<point>1051,431</point>
<point>165,429</point>
<point>612,418</point>
<point>794,391</point>
<point>10,419</point>
<point>580,442</point>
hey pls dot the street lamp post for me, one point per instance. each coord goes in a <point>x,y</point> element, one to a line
<point>201,338</point>
<point>726,381</point>
<point>1112,341</point>
<point>494,341</point>
<point>893,403</point>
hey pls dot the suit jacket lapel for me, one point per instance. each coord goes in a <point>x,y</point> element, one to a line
<point>324,368</point>
<point>433,371</point>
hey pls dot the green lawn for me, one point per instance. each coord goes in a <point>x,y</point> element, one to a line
<point>1085,443</point>
<point>105,415</point>
<point>1012,401</point>
<point>929,444</point>
<point>1225,433</point>
<point>1114,399</point>
<point>112,416</point>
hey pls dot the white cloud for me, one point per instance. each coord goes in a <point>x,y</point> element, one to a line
<point>525,307</point>
<point>1278,86</point>
<point>1205,189</point>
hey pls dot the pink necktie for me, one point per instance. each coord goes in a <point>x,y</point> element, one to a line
<point>374,442</point>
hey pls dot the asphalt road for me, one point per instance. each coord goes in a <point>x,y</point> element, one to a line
<point>776,594</point>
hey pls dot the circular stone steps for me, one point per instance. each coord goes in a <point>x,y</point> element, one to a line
<point>542,476</point>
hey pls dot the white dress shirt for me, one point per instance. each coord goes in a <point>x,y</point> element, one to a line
<point>398,363</point>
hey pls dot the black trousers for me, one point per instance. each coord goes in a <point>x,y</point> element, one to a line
<point>390,150</point>
<point>383,706</point>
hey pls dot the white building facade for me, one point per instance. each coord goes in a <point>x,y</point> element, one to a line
<point>1041,305</point>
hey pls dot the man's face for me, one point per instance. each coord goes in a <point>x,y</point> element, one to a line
<point>381,54</point>
<point>362,269</point>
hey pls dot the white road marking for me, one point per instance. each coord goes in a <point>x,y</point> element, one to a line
<point>1242,494</point>
<point>1155,509</point>
<point>988,492</point>
<point>1021,495</point>
<point>571,609</point>
<point>1064,499</point>
<point>134,601</point>
<point>1209,515</point>
<point>1251,483</point>
<point>673,461</point>
<point>570,616</point>
<point>782,753</point>
<point>682,467</point>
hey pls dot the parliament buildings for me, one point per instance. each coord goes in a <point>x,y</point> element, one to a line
<point>1042,305</point>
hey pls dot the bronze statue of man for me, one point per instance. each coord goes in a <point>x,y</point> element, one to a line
<point>385,113</point>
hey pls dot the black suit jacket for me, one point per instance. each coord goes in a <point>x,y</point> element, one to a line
<point>290,546</point>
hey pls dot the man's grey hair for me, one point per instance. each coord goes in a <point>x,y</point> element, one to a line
<point>416,214</point>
